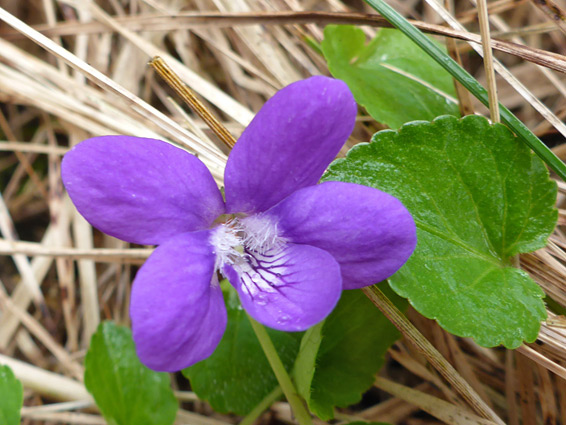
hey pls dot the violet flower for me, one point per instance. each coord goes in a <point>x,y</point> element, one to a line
<point>288,245</point>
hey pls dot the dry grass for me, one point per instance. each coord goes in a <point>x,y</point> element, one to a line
<point>83,71</point>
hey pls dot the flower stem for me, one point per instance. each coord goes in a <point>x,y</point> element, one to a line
<point>263,405</point>
<point>297,405</point>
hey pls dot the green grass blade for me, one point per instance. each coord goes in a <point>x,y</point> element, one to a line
<point>460,74</point>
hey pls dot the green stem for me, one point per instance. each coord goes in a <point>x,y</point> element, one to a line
<point>297,405</point>
<point>262,406</point>
<point>460,74</point>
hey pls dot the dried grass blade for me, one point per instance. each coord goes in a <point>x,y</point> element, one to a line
<point>217,97</point>
<point>21,296</point>
<point>194,103</point>
<point>65,418</point>
<point>446,412</point>
<point>175,131</point>
<point>431,354</point>
<point>8,247</point>
<point>526,389</point>
<point>222,20</point>
<point>22,263</point>
<point>542,360</point>
<point>60,221</point>
<point>42,335</point>
<point>46,383</point>
<point>551,9</point>
<point>488,60</point>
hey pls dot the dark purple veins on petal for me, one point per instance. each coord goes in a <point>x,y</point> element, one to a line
<point>289,288</point>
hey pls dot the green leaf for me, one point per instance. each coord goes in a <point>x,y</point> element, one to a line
<point>391,76</point>
<point>443,59</point>
<point>237,376</point>
<point>478,197</point>
<point>304,367</point>
<point>127,392</point>
<point>355,337</point>
<point>11,397</point>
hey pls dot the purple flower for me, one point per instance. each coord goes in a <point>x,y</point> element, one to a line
<point>288,245</point>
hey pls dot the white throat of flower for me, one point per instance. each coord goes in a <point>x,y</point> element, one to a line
<point>236,239</point>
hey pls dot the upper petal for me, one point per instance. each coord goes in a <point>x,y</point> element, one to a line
<point>289,288</point>
<point>140,190</point>
<point>370,233</point>
<point>289,143</point>
<point>177,310</point>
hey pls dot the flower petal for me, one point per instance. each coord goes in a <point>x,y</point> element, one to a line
<point>177,310</point>
<point>370,233</point>
<point>290,288</point>
<point>289,144</point>
<point>140,190</point>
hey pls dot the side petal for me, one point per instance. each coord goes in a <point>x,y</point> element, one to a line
<point>177,310</point>
<point>290,288</point>
<point>289,143</point>
<point>370,233</point>
<point>140,190</point>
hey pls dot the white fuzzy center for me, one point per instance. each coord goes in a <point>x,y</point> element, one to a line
<point>234,240</point>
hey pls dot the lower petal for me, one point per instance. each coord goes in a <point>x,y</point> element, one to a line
<point>369,232</point>
<point>177,310</point>
<point>289,288</point>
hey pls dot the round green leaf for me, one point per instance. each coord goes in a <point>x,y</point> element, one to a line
<point>11,397</point>
<point>391,76</point>
<point>237,376</point>
<point>478,197</point>
<point>127,392</point>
